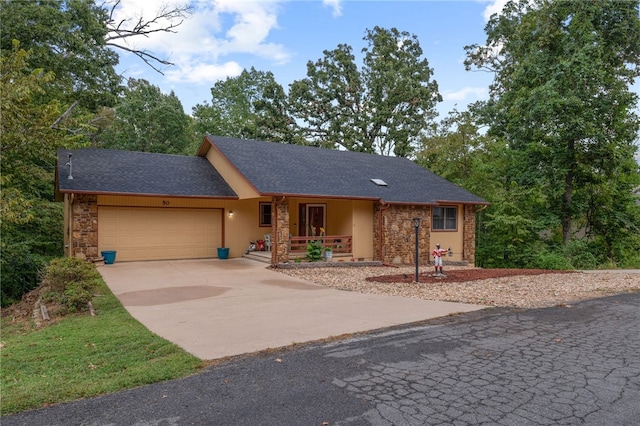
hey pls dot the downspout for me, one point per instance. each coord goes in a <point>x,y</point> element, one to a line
<point>383,206</point>
<point>68,249</point>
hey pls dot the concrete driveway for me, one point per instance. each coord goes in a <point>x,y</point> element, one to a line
<point>216,308</point>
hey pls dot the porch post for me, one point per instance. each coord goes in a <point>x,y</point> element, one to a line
<point>280,227</point>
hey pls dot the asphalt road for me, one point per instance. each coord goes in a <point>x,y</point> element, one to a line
<point>558,366</point>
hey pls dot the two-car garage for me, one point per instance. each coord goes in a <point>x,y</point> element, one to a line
<point>152,233</point>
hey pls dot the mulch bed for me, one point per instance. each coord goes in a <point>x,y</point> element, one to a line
<point>462,275</point>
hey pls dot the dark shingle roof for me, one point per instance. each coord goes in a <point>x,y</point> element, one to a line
<point>275,168</point>
<point>124,172</point>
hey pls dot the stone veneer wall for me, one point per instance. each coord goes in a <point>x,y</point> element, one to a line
<point>84,234</point>
<point>280,248</point>
<point>469,235</point>
<point>398,234</point>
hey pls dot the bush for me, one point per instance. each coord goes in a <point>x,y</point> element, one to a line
<point>551,260</point>
<point>26,249</point>
<point>19,269</point>
<point>314,251</point>
<point>73,280</point>
<point>76,296</point>
<point>581,255</point>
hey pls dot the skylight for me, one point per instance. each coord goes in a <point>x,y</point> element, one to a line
<point>379,182</point>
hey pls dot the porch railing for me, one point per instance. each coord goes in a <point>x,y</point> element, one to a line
<point>337,243</point>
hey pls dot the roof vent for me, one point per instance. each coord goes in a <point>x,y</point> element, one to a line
<point>69,166</point>
<point>379,182</point>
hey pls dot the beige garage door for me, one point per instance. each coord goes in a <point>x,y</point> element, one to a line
<point>138,233</point>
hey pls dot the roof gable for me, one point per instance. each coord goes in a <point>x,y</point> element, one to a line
<point>109,171</point>
<point>284,169</point>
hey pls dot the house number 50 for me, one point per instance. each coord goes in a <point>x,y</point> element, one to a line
<point>165,203</point>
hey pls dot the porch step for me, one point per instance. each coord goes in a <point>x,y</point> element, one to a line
<point>260,256</point>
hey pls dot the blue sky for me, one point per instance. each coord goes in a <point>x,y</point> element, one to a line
<point>223,37</point>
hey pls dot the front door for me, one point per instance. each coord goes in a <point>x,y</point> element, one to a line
<point>315,219</point>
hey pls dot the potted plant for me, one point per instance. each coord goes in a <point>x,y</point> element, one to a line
<point>328,254</point>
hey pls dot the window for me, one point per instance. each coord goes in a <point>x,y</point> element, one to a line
<point>265,214</point>
<point>445,218</point>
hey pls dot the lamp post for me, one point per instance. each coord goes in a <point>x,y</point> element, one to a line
<point>416,225</point>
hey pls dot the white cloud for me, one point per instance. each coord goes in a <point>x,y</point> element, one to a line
<point>494,6</point>
<point>200,72</point>
<point>335,5</point>
<point>465,93</point>
<point>216,29</point>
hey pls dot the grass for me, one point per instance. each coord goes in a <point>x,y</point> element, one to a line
<point>83,356</point>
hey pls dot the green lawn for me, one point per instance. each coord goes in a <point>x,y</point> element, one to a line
<point>83,356</point>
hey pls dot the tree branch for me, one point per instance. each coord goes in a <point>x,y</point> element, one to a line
<point>166,20</point>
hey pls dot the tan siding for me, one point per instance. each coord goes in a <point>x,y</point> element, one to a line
<point>450,239</point>
<point>230,174</point>
<point>165,202</point>
<point>363,230</point>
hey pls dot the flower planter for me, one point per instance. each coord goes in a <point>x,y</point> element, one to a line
<point>109,256</point>
<point>223,252</point>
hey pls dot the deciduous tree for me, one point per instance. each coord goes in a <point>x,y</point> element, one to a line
<point>561,100</point>
<point>147,120</point>
<point>252,106</point>
<point>383,107</point>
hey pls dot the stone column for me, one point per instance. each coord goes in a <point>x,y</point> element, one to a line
<point>469,235</point>
<point>84,242</point>
<point>280,218</point>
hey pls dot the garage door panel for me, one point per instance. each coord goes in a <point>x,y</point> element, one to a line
<point>138,233</point>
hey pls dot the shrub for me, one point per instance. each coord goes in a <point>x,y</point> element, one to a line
<point>19,269</point>
<point>581,256</point>
<point>76,296</point>
<point>551,260</point>
<point>73,280</point>
<point>314,251</point>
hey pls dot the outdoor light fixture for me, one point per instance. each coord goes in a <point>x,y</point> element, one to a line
<point>416,224</point>
<point>230,213</point>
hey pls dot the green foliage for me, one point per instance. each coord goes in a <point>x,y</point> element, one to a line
<point>147,120</point>
<point>73,280</point>
<point>550,260</point>
<point>20,269</point>
<point>561,103</point>
<point>91,356</point>
<point>76,296</point>
<point>251,106</point>
<point>67,38</point>
<point>314,251</point>
<point>62,271</point>
<point>31,224</point>
<point>583,255</point>
<point>381,108</point>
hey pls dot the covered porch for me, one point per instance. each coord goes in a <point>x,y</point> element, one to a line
<point>345,227</point>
